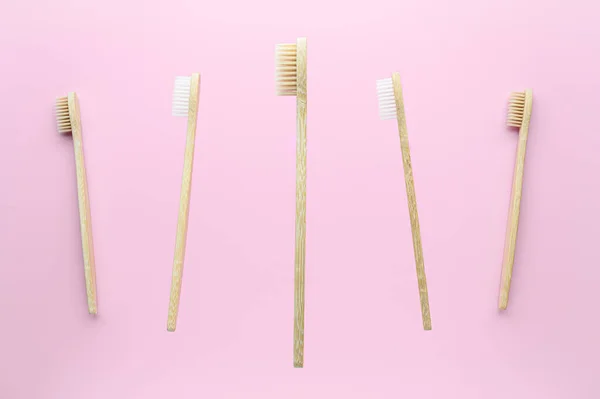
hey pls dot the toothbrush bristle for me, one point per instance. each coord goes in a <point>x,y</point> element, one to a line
<point>181,95</point>
<point>63,118</point>
<point>516,108</point>
<point>285,69</point>
<point>387,101</point>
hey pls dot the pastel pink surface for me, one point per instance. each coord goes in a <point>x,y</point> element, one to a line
<point>459,60</point>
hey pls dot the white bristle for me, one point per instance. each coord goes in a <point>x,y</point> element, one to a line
<point>286,69</point>
<point>387,101</point>
<point>181,95</point>
<point>63,118</point>
<point>516,108</point>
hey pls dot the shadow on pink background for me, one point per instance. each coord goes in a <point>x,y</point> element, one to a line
<point>459,60</point>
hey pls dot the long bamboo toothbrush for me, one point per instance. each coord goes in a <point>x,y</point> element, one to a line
<point>185,103</point>
<point>519,114</point>
<point>391,106</point>
<point>68,120</point>
<point>291,81</point>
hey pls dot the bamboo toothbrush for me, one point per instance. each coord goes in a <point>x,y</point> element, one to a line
<point>291,81</point>
<point>185,103</point>
<point>68,120</point>
<point>519,114</point>
<point>391,106</point>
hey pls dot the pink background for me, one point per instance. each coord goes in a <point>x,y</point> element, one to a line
<point>459,61</point>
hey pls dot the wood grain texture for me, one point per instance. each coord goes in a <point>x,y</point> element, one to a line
<point>85,217</point>
<point>510,241</point>
<point>184,204</point>
<point>300,248</point>
<point>412,202</point>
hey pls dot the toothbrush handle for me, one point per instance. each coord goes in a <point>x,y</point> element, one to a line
<point>184,204</point>
<point>85,218</point>
<point>300,247</point>
<point>412,203</point>
<point>510,242</point>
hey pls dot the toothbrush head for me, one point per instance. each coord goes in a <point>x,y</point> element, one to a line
<point>181,95</point>
<point>286,69</point>
<point>387,100</point>
<point>516,109</point>
<point>63,115</point>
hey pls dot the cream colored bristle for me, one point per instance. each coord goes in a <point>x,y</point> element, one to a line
<point>516,108</point>
<point>285,69</point>
<point>181,96</point>
<point>387,101</point>
<point>63,118</point>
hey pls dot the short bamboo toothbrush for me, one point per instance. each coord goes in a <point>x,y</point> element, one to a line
<point>519,114</point>
<point>391,106</point>
<point>68,120</point>
<point>291,81</point>
<point>185,103</point>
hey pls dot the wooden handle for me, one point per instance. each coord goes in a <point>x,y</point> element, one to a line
<point>412,202</point>
<point>184,204</point>
<point>510,241</point>
<point>300,250</point>
<point>85,217</point>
